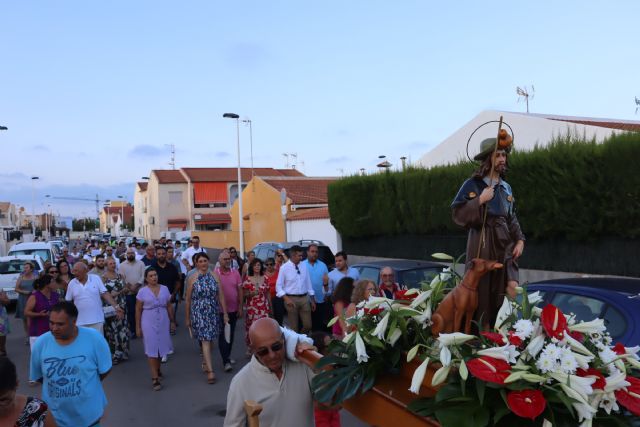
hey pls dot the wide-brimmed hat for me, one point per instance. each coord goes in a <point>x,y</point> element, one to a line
<point>488,145</point>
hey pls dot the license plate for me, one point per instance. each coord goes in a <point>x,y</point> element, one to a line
<point>12,295</point>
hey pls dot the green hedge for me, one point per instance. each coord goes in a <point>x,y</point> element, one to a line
<point>572,188</point>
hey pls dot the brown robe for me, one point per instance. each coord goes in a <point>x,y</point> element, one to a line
<point>501,233</point>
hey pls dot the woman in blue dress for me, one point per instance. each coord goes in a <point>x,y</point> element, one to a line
<point>203,303</point>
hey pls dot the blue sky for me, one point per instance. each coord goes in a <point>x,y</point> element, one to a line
<point>92,91</point>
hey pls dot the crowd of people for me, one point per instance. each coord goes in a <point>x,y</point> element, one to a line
<point>95,300</point>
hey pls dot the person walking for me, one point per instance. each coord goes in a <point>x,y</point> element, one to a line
<point>319,275</point>
<point>187,255</point>
<point>255,296</point>
<point>115,330</point>
<point>24,287</point>
<point>18,410</point>
<point>251,255</point>
<point>341,299</point>
<point>294,286</point>
<point>64,276</point>
<point>39,305</point>
<point>362,290</point>
<point>132,271</point>
<point>230,283</point>
<point>168,274</point>
<point>203,302</point>
<point>342,270</point>
<point>154,321</point>
<point>271,277</point>
<point>73,390</point>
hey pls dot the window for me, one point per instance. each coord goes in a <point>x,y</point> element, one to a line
<point>415,278</point>
<point>615,323</point>
<point>585,308</point>
<point>370,273</point>
<point>175,197</point>
<point>211,227</point>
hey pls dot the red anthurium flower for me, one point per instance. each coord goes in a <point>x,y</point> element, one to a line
<point>494,337</point>
<point>592,372</point>
<point>373,311</point>
<point>526,403</point>
<point>514,339</point>
<point>402,295</point>
<point>629,397</point>
<point>489,369</point>
<point>619,349</point>
<point>553,321</point>
<point>576,336</point>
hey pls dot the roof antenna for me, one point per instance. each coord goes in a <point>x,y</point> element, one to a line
<point>286,160</point>
<point>172,163</point>
<point>637,104</point>
<point>524,92</point>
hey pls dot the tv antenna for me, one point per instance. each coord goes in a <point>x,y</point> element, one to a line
<point>637,104</point>
<point>286,160</point>
<point>172,162</point>
<point>524,92</point>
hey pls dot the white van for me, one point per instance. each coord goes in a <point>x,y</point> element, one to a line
<point>45,250</point>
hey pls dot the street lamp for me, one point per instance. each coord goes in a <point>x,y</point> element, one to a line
<point>3,128</point>
<point>250,123</point>
<point>122,214</point>
<point>240,214</point>
<point>33,205</point>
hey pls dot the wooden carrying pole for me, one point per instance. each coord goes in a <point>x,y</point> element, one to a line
<point>491,173</point>
<point>253,410</point>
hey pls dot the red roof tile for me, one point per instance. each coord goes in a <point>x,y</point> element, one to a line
<point>303,190</point>
<point>290,172</point>
<point>226,174</point>
<point>169,176</point>
<point>626,126</point>
<point>308,214</point>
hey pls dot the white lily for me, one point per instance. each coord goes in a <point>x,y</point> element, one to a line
<point>581,385</point>
<point>616,381</point>
<point>441,277</point>
<point>505,311</point>
<point>381,327</point>
<point>533,378</point>
<point>604,400</point>
<point>361,350</point>
<point>514,376</point>
<point>464,372</point>
<point>374,301</point>
<point>454,338</point>
<point>582,406</point>
<point>413,352</point>
<point>546,423</point>
<point>440,375</point>
<point>422,318</point>
<point>508,353</point>
<point>593,326</point>
<point>576,345</point>
<point>420,299</point>
<point>535,345</point>
<point>583,361</point>
<point>395,336</point>
<point>347,337</point>
<point>534,297</point>
<point>633,362</point>
<point>418,376</point>
<point>442,256</point>
<point>445,355</point>
<point>536,311</point>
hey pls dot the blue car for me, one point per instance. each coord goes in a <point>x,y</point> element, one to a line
<point>617,301</point>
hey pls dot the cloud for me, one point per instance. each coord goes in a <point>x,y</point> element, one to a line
<point>145,150</point>
<point>40,147</point>
<point>221,154</point>
<point>340,159</point>
<point>246,55</point>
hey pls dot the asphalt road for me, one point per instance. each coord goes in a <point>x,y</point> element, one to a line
<point>186,398</point>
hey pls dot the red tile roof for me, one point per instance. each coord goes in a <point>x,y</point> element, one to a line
<point>231,174</point>
<point>143,186</point>
<point>303,190</point>
<point>308,214</point>
<point>169,176</point>
<point>626,126</point>
<point>290,172</point>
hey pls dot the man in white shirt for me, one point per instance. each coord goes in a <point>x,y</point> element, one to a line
<point>132,271</point>
<point>187,255</point>
<point>294,287</point>
<point>273,378</point>
<point>87,292</point>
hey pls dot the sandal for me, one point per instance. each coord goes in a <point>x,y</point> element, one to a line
<point>211,377</point>
<point>156,384</point>
<point>204,367</point>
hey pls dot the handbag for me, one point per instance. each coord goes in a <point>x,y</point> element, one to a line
<point>109,312</point>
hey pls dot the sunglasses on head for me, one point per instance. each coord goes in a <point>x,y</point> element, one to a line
<point>275,347</point>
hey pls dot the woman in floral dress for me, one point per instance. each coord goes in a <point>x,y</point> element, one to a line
<point>203,302</point>
<point>255,296</point>
<point>116,330</point>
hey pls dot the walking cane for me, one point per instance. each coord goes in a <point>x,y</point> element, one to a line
<point>253,410</point>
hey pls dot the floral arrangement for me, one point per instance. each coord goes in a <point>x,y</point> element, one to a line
<point>538,366</point>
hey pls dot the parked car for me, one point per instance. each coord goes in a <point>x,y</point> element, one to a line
<point>615,300</point>
<point>10,269</point>
<point>266,250</point>
<point>45,250</point>
<point>409,273</point>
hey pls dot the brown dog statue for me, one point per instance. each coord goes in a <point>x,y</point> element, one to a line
<point>462,301</point>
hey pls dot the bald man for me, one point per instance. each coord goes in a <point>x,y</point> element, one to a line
<point>87,292</point>
<point>273,378</point>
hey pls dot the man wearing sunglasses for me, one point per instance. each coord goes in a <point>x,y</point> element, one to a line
<point>294,286</point>
<point>273,378</point>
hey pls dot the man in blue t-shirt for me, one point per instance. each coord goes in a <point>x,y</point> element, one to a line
<point>319,275</point>
<point>342,270</point>
<point>71,362</point>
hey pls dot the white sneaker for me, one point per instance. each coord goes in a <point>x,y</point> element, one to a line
<point>232,361</point>
<point>228,367</point>
<point>164,359</point>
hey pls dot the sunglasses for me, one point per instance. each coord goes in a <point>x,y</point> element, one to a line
<point>275,347</point>
<point>268,264</point>
<point>53,271</point>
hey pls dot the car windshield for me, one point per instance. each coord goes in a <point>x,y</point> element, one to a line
<point>42,253</point>
<point>413,278</point>
<point>11,267</point>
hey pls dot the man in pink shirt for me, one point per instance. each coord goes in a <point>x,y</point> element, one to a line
<point>230,282</point>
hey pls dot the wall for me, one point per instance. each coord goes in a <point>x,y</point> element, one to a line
<point>316,229</point>
<point>162,210</point>
<point>140,212</point>
<point>218,239</point>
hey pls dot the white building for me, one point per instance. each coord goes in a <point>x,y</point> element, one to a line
<point>529,129</point>
<point>312,224</point>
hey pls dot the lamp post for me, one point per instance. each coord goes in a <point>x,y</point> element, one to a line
<point>240,214</point>
<point>121,215</point>
<point>33,205</point>
<point>250,123</point>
